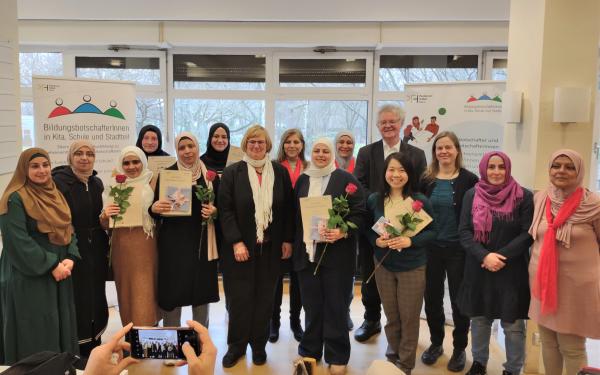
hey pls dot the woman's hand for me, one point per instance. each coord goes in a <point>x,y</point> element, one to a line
<point>493,262</point>
<point>208,210</point>
<point>107,359</point>
<point>240,252</point>
<point>60,272</point>
<point>161,206</point>
<point>110,210</point>
<point>382,242</point>
<point>286,250</point>
<point>332,235</point>
<point>68,263</point>
<point>399,243</point>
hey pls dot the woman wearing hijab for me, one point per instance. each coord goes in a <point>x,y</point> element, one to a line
<point>150,141</point>
<point>82,189</point>
<point>187,267</point>
<point>291,156</point>
<point>38,254</point>
<point>325,295</point>
<point>217,148</point>
<point>344,151</point>
<point>495,219</point>
<point>256,206</point>
<point>134,256</point>
<point>564,271</point>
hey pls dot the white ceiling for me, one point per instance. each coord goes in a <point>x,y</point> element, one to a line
<point>266,10</point>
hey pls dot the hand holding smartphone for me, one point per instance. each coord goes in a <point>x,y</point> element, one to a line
<point>161,342</point>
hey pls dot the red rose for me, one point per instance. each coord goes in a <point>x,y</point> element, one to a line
<point>120,178</point>
<point>351,188</point>
<point>417,206</point>
<point>211,175</point>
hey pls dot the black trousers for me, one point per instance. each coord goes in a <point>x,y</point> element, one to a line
<point>250,303</point>
<point>295,299</point>
<point>370,295</point>
<point>325,299</point>
<point>445,259</point>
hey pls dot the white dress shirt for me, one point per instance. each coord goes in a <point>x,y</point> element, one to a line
<point>387,150</point>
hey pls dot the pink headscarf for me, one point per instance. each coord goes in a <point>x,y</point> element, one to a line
<point>493,200</point>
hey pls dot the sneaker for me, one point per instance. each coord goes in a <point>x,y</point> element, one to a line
<point>457,361</point>
<point>477,369</point>
<point>431,355</point>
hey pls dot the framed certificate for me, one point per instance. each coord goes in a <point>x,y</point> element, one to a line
<point>176,187</point>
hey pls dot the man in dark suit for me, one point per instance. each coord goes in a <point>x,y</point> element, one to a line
<point>369,171</point>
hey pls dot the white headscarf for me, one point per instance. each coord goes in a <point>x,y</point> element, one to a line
<point>315,186</point>
<point>262,193</point>
<point>142,180</point>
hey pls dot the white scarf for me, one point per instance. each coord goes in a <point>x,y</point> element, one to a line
<point>315,187</point>
<point>262,193</point>
<point>143,180</point>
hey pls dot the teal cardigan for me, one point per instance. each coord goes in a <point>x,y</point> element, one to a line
<point>411,257</point>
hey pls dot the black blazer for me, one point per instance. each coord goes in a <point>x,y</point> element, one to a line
<point>464,182</point>
<point>342,253</point>
<point>236,214</point>
<point>369,164</point>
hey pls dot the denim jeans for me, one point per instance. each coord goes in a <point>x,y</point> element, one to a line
<point>514,339</point>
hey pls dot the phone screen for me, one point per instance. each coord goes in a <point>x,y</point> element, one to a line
<point>161,343</point>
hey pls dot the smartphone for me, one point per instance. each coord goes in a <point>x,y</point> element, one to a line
<point>161,342</point>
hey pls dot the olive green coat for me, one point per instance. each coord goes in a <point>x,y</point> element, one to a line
<point>36,312</point>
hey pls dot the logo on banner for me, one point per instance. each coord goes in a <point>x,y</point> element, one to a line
<point>483,103</point>
<point>419,98</point>
<point>86,107</point>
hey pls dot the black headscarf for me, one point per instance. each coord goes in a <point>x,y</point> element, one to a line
<point>159,151</point>
<point>212,158</point>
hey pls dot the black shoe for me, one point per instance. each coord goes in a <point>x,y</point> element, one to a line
<point>477,369</point>
<point>431,355</point>
<point>457,361</point>
<point>296,328</point>
<point>273,332</point>
<point>367,330</point>
<point>504,372</point>
<point>259,357</point>
<point>350,322</point>
<point>231,358</point>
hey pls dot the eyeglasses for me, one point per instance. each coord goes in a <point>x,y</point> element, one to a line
<point>80,154</point>
<point>257,143</point>
<point>390,122</point>
<point>127,163</point>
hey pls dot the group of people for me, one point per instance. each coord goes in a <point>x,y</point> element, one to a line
<point>56,248</point>
<point>165,350</point>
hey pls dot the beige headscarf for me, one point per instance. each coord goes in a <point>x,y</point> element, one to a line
<point>587,210</point>
<point>198,170</point>
<point>75,146</point>
<point>43,203</point>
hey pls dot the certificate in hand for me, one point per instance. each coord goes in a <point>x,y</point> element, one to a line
<point>395,211</point>
<point>176,187</point>
<point>313,210</point>
<point>133,214</point>
<point>235,154</point>
<point>156,163</point>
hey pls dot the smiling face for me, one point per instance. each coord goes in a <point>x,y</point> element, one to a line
<point>445,151</point>
<point>345,146</point>
<point>219,140</point>
<point>132,166</point>
<point>83,160</point>
<point>563,173</point>
<point>39,170</point>
<point>389,126</point>
<point>321,155</point>
<point>256,148</point>
<point>496,171</point>
<point>187,151</point>
<point>150,141</point>
<point>395,175</point>
<point>292,147</point>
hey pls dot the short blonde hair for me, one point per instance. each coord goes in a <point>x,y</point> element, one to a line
<point>256,131</point>
<point>392,108</point>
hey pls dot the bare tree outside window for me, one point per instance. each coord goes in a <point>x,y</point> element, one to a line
<point>46,64</point>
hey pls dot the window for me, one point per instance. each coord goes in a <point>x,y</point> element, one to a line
<point>219,72</point>
<point>27,124</point>
<point>142,70</point>
<point>317,118</point>
<point>149,111</point>
<point>46,64</point>
<point>397,70</point>
<point>197,115</point>
<point>322,72</point>
<point>499,69</point>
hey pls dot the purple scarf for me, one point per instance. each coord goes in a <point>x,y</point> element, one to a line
<point>493,200</point>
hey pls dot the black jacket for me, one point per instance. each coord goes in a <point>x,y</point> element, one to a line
<point>89,273</point>
<point>236,213</point>
<point>342,253</point>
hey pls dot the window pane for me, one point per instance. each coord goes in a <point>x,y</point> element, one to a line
<point>142,70</point>
<point>46,64</point>
<point>197,115</point>
<point>321,118</point>
<point>149,111</point>
<point>396,70</point>
<point>219,72</point>
<point>499,69</point>
<point>27,124</point>
<point>322,72</point>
